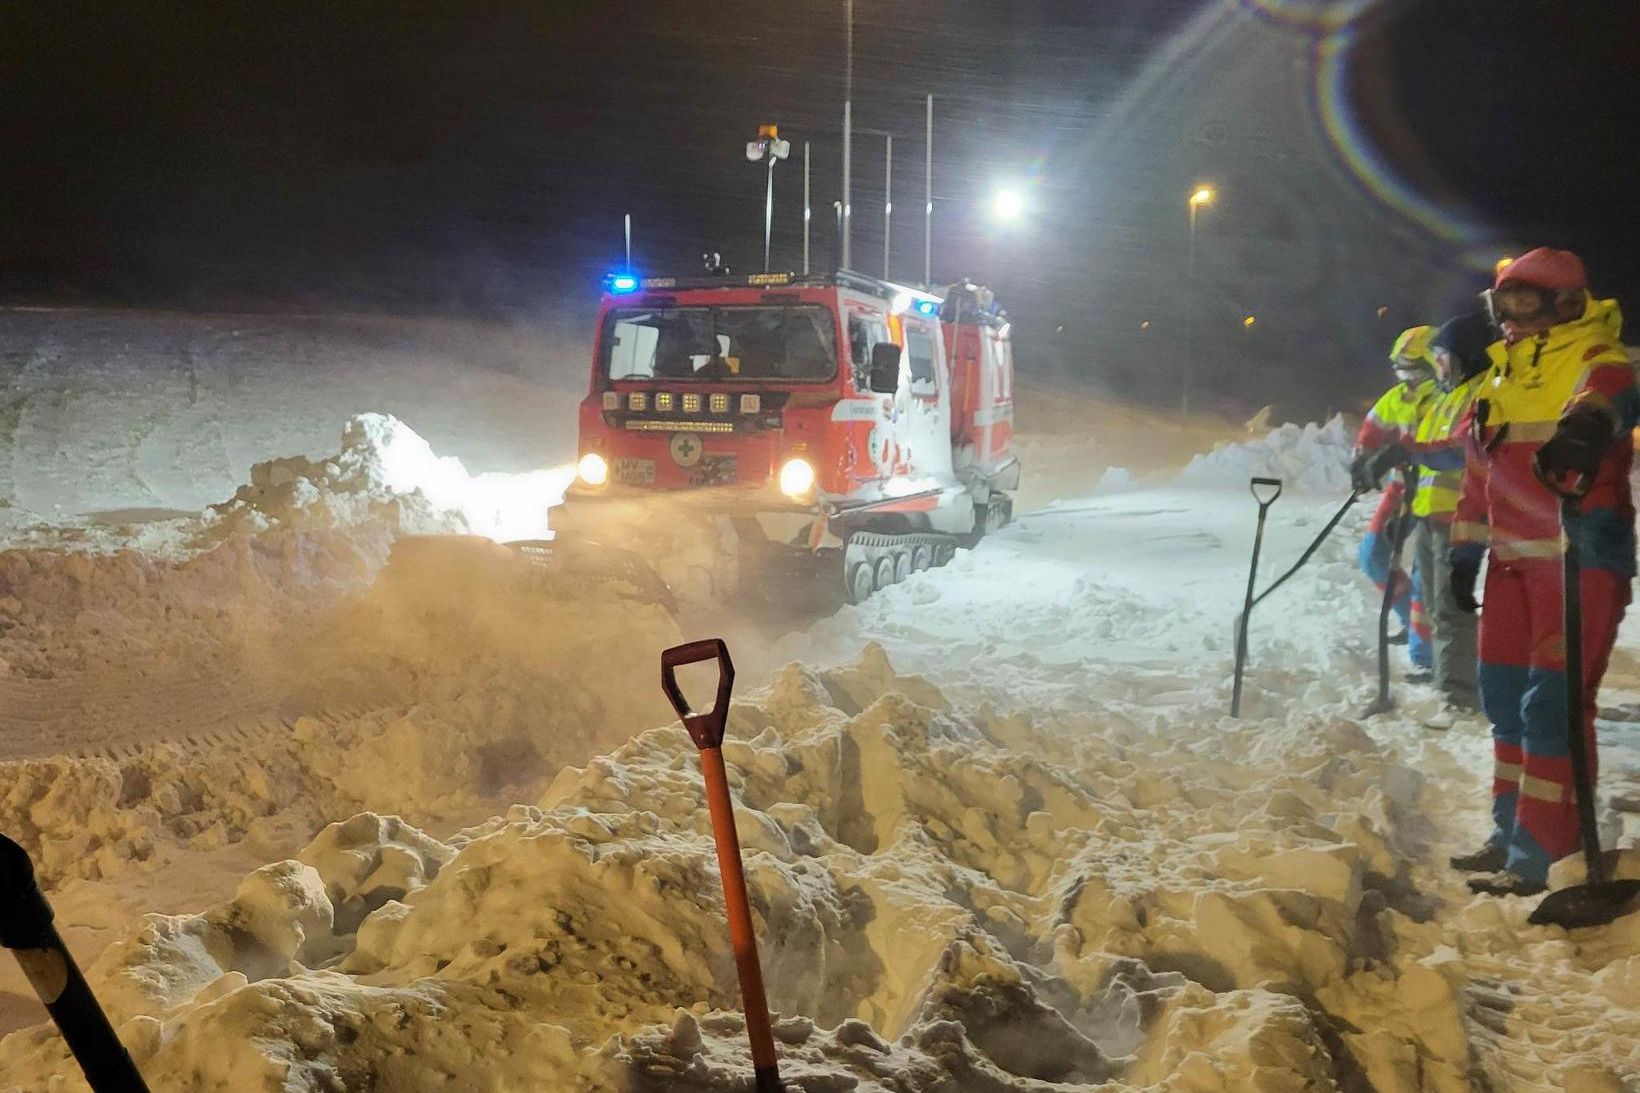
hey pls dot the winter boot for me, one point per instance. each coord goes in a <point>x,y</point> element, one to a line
<point>1450,716</point>
<point>1420,675</point>
<point>1399,637</point>
<point>1488,859</point>
<point>1505,883</point>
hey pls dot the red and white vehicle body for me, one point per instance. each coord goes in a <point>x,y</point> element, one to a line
<point>809,414</point>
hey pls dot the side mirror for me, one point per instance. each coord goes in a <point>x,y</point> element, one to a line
<point>885,368</point>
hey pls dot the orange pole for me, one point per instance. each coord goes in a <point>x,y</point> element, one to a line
<point>741,937</point>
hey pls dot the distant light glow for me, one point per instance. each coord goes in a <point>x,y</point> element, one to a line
<point>1008,204</point>
<point>1249,321</point>
<point>622,283</point>
<point>1203,195</point>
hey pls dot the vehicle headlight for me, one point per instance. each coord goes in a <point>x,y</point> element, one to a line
<point>796,478</point>
<point>593,469</point>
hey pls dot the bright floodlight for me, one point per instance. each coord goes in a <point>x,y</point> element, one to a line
<point>1008,204</point>
<point>1204,195</point>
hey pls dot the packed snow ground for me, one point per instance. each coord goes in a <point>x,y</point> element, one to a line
<point>1045,861</point>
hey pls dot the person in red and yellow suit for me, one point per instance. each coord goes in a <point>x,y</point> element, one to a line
<point>1558,403</point>
<point>1381,445</point>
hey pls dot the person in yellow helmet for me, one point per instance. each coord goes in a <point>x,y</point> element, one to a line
<point>1385,437</point>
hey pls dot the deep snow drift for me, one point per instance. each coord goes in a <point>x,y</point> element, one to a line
<point>943,899</point>
<point>1047,862</point>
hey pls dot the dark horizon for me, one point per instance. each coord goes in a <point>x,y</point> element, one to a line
<point>476,163</point>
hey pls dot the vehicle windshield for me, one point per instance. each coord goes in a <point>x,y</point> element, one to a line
<point>752,342</point>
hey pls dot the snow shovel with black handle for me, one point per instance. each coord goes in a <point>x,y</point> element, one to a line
<point>1403,524</point>
<point>1309,552</point>
<point>1252,578</point>
<point>706,730</point>
<point>26,929</point>
<point>1599,899</point>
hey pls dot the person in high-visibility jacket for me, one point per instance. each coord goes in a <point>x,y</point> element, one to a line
<point>1459,350</point>
<point>1380,446</point>
<point>1558,405</point>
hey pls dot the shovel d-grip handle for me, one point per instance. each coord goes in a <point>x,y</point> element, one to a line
<point>1254,484</point>
<point>705,729</point>
<point>26,929</point>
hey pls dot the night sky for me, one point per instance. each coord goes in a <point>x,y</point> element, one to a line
<point>475,159</point>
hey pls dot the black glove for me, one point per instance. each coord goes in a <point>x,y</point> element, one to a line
<point>1367,469</point>
<point>1359,481</point>
<point>1576,447</point>
<point>1465,572</point>
<point>1386,459</point>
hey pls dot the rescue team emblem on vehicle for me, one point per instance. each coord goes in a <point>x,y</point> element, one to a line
<point>686,449</point>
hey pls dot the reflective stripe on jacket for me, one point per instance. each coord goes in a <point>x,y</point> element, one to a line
<point>1439,450</point>
<point>1394,417</point>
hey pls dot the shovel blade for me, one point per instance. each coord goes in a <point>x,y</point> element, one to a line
<point>1379,705</point>
<point>1584,905</point>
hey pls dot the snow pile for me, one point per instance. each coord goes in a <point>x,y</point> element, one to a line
<point>387,475</point>
<point>1309,457</point>
<point>455,679</point>
<point>943,900</point>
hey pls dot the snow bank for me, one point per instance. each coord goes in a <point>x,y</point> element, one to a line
<point>321,643</point>
<point>943,901</point>
<point>456,677</point>
<point>1309,457</point>
<point>386,474</point>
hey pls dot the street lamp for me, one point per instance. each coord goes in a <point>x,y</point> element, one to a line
<point>1201,197</point>
<point>768,146</point>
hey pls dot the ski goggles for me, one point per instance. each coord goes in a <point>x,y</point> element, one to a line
<point>1412,373</point>
<point>1517,303</point>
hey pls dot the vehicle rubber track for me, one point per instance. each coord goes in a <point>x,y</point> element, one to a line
<point>874,560</point>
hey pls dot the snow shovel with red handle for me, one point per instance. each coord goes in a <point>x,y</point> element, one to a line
<point>26,929</point>
<point>1252,579</point>
<point>1599,899</point>
<point>706,730</point>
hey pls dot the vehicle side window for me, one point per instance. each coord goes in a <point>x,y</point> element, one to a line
<point>864,331</point>
<point>919,351</point>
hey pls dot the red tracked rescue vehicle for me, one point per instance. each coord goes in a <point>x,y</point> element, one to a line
<point>741,430</point>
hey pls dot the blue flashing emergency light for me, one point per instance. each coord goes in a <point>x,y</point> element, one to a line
<point>928,307</point>
<point>621,283</point>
